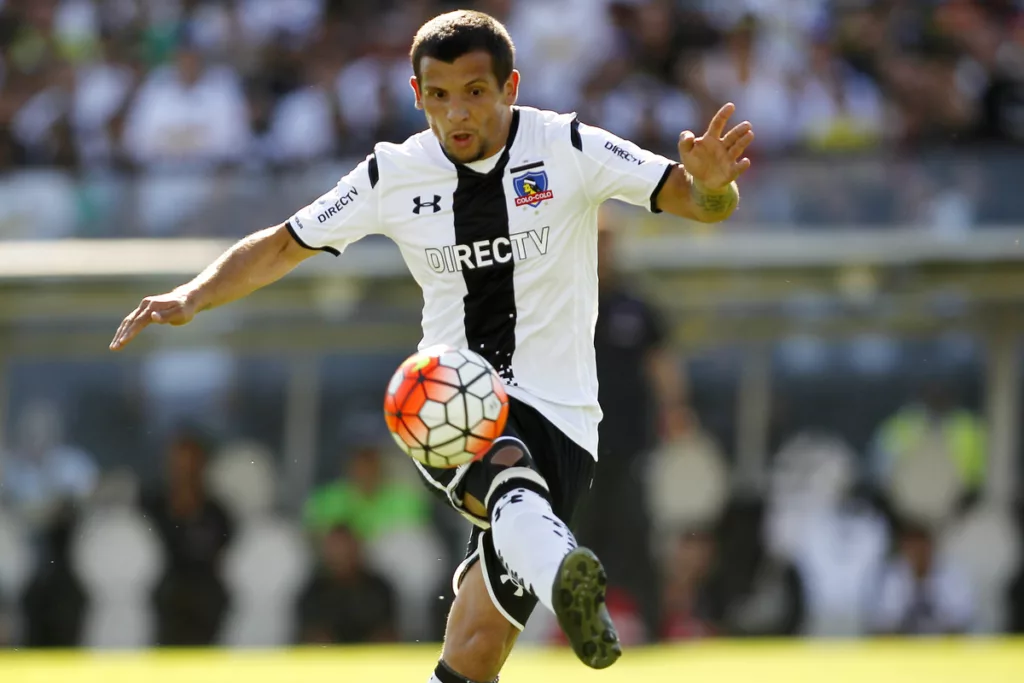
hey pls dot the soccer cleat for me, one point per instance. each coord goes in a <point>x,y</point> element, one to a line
<point>579,602</point>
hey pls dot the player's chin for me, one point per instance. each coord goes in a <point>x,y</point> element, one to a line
<point>464,150</point>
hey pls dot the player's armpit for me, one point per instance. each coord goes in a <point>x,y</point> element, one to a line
<point>682,196</point>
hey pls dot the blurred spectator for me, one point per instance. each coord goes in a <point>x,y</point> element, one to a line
<point>188,115</point>
<point>836,542</point>
<point>366,500</point>
<point>188,119</point>
<point>920,593</point>
<point>936,427</point>
<point>643,397</point>
<point>739,71</point>
<point>40,472</point>
<point>190,599</point>
<point>1015,594</point>
<point>54,602</point>
<point>836,108</point>
<point>345,602</point>
<point>755,592</point>
<point>686,612</point>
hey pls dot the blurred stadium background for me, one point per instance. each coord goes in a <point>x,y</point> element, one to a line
<point>813,411</point>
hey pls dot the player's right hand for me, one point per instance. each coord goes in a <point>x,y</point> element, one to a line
<point>174,308</point>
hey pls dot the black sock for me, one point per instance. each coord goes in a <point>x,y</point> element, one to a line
<point>444,674</point>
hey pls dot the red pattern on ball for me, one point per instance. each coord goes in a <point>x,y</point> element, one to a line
<point>422,377</point>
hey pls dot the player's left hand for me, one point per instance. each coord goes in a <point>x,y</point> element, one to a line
<point>716,159</point>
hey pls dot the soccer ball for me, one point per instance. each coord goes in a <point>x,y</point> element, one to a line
<point>444,406</point>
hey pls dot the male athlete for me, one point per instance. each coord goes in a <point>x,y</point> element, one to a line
<point>495,212</point>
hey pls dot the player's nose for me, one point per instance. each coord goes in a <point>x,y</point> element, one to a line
<point>458,113</point>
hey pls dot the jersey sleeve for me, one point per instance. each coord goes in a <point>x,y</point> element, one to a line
<point>344,214</point>
<point>614,168</point>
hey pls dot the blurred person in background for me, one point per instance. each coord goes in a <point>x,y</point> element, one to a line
<point>686,572</point>
<point>837,108</point>
<point>188,115</point>
<point>753,592</point>
<point>919,591</point>
<point>739,71</point>
<point>935,425</point>
<point>194,529</point>
<point>188,121</point>
<point>345,602</point>
<point>1015,591</point>
<point>40,472</point>
<point>899,45</point>
<point>54,603</point>
<point>365,499</point>
<point>642,389</point>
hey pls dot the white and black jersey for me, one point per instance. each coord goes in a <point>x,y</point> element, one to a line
<point>504,249</point>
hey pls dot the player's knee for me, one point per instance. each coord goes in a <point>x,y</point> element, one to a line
<point>507,465</point>
<point>510,465</point>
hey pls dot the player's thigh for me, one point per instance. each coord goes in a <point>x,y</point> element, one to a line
<point>478,638</point>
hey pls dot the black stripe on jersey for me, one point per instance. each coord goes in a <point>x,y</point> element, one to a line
<point>374,171</point>
<point>657,188</point>
<point>295,235</point>
<point>480,211</point>
<point>527,167</point>
<point>574,134</point>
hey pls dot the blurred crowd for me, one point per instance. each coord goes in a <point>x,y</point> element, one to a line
<point>185,83</point>
<point>879,521</point>
<point>177,91</point>
<point>900,540</point>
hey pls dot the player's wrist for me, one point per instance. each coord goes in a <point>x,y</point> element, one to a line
<point>701,187</point>
<point>192,298</point>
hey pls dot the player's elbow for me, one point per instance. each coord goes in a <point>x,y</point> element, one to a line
<point>287,248</point>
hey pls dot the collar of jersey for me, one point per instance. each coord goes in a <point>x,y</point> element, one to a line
<point>502,161</point>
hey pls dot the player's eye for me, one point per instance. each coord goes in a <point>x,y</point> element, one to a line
<point>476,92</point>
<point>438,94</point>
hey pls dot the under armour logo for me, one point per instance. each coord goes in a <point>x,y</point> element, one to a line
<point>505,578</point>
<point>436,204</point>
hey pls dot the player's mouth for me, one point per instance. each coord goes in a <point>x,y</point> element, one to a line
<point>461,140</point>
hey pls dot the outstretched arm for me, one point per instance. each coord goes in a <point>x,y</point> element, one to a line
<point>704,187</point>
<point>342,215</point>
<point>254,262</point>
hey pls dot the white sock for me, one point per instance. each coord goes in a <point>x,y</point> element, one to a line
<point>530,540</point>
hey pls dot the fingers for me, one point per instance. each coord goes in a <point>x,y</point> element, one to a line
<point>717,125</point>
<point>737,149</point>
<point>686,141</point>
<point>137,321</point>
<point>740,167</point>
<point>734,135</point>
<point>130,327</point>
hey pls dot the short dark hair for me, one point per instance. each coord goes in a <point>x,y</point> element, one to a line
<point>449,36</point>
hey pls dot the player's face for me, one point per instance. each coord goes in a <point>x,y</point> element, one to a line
<point>466,107</point>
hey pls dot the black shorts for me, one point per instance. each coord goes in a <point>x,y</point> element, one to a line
<point>568,470</point>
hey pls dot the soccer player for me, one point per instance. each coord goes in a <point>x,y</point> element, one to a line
<point>494,209</point>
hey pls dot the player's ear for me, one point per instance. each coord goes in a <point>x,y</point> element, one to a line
<point>512,88</point>
<point>415,85</point>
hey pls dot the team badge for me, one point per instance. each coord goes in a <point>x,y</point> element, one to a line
<point>532,188</point>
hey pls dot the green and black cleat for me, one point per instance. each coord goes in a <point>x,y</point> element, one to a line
<point>579,601</point>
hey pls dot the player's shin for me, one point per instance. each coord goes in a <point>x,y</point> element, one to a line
<point>529,538</point>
